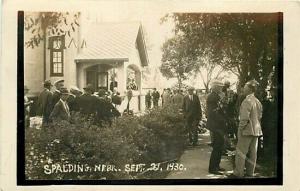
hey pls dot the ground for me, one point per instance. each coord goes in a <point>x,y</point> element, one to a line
<point>196,160</point>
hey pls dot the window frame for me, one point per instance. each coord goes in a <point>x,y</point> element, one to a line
<point>53,51</point>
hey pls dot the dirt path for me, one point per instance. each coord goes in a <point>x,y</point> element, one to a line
<point>196,160</point>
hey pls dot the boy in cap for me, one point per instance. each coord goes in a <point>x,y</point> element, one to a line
<point>61,109</point>
<point>45,102</point>
<point>249,131</point>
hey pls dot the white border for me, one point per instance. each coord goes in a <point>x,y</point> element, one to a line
<point>8,75</point>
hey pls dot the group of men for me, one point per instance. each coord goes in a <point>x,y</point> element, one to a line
<point>168,97</point>
<point>219,105</point>
<point>58,105</point>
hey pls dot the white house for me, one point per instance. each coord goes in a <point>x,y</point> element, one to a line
<point>104,53</point>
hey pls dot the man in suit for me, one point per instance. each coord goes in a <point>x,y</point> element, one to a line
<point>216,124</point>
<point>249,131</point>
<point>56,94</point>
<point>73,98</point>
<point>105,109</point>
<point>192,114</point>
<point>87,101</point>
<point>155,97</point>
<point>178,99</point>
<point>61,109</point>
<point>45,102</point>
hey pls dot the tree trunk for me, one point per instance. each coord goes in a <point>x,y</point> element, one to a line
<point>179,82</point>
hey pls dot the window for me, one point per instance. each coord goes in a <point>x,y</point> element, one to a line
<point>56,46</point>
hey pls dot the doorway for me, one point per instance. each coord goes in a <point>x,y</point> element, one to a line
<point>99,80</point>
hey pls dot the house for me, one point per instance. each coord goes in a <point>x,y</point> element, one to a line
<point>106,55</point>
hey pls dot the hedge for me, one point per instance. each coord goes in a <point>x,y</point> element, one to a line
<point>156,136</point>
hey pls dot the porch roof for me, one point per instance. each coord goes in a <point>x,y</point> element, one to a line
<point>113,41</point>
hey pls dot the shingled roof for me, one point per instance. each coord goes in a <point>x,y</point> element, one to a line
<point>113,41</point>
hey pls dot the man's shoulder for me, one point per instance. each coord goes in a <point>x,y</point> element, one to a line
<point>212,96</point>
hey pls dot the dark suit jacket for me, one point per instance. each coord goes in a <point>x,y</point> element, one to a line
<point>60,112</point>
<point>73,103</point>
<point>192,109</point>
<point>215,114</point>
<point>45,104</point>
<point>87,104</point>
<point>56,98</point>
<point>155,96</point>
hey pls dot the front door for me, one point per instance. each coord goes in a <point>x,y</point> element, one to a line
<point>99,80</point>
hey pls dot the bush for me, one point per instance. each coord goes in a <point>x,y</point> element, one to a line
<point>156,136</point>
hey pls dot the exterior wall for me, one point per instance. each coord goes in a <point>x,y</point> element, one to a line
<point>33,64</point>
<point>69,67</point>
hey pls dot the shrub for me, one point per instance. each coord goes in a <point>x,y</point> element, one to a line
<point>154,137</point>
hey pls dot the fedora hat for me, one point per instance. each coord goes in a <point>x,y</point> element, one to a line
<point>58,81</point>
<point>216,83</point>
<point>47,83</point>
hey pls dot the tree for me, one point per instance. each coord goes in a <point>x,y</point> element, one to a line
<point>175,63</point>
<point>244,43</point>
<point>46,24</point>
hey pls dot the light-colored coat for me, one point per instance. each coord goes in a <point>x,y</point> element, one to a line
<point>250,116</point>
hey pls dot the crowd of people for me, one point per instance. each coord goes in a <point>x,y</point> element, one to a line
<point>229,116</point>
<point>58,105</point>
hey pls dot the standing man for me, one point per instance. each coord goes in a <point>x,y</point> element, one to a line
<point>56,94</point>
<point>167,97</point>
<point>148,100</point>
<point>192,114</point>
<point>87,101</point>
<point>155,97</point>
<point>61,109</point>
<point>73,98</point>
<point>27,104</point>
<point>249,131</point>
<point>216,124</point>
<point>45,102</point>
<point>178,99</point>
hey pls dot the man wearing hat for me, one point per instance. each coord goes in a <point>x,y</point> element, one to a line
<point>192,114</point>
<point>73,98</point>
<point>87,101</point>
<point>61,109</point>
<point>27,104</point>
<point>155,97</point>
<point>45,102</point>
<point>249,131</point>
<point>216,124</point>
<point>56,94</point>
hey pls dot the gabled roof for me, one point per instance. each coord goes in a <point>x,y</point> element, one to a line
<point>113,41</point>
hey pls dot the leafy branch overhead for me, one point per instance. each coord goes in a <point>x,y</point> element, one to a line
<point>49,24</point>
<point>245,44</point>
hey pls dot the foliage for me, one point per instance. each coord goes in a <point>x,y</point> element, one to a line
<point>49,23</point>
<point>175,63</point>
<point>154,137</point>
<point>244,43</point>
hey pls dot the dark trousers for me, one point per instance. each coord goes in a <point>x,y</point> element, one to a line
<point>216,154</point>
<point>192,128</point>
